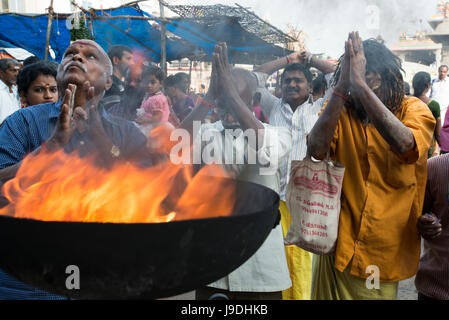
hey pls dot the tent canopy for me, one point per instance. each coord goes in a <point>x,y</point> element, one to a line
<point>29,32</point>
<point>244,47</point>
<point>249,38</point>
<point>137,34</point>
<point>193,38</point>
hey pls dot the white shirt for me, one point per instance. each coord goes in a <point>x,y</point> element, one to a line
<point>9,102</point>
<point>440,93</point>
<point>266,270</point>
<point>299,123</point>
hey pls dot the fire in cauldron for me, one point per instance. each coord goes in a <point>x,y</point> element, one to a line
<point>132,232</point>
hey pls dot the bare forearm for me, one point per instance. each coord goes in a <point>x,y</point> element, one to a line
<point>244,116</point>
<point>247,120</point>
<point>395,133</point>
<point>198,114</point>
<point>272,66</point>
<point>320,138</point>
<point>324,66</point>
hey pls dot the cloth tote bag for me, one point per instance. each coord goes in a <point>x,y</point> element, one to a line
<point>313,199</point>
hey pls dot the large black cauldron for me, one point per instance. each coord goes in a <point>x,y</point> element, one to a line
<point>137,261</point>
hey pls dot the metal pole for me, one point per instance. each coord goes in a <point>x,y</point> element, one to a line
<point>163,40</point>
<point>50,19</point>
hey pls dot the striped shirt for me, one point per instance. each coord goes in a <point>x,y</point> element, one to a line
<point>25,130</point>
<point>299,123</point>
<point>432,278</point>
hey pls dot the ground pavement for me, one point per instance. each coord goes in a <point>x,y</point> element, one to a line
<point>407,291</point>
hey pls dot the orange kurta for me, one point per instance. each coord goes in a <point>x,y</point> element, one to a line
<point>382,195</point>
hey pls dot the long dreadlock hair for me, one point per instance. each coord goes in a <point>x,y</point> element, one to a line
<point>381,61</point>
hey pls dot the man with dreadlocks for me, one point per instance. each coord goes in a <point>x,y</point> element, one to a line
<point>382,138</point>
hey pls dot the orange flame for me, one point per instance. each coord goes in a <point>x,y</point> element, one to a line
<point>65,187</point>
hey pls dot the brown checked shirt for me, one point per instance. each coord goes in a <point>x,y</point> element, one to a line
<point>432,279</point>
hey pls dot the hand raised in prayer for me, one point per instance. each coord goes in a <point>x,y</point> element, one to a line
<point>73,117</point>
<point>212,92</point>
<point>429,226</point>
<point>357,61</point>
<point>223,71</point>
<point>66,124</point>
<point>91,115</point>
<point>344,79</point>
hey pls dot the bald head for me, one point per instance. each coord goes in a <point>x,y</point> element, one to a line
<point>104,55</point>
<point>85,60</point>
<point>246,84</point>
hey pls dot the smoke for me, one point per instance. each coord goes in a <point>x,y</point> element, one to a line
<point>328,22</point>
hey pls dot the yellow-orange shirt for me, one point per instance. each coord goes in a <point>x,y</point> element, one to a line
<point>382,195</point>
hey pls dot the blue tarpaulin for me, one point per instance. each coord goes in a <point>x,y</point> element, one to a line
<point>141,36</point>
<point>30,33</point>
<point>227,30</point>
<point>239,41</point>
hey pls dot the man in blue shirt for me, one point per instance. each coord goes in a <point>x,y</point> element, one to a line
<point>78,122</point>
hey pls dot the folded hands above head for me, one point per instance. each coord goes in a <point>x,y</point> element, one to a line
<point>353,66</point>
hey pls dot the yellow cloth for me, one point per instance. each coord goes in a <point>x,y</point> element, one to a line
<point>382,195</point>
<point>331,284</point>
<point>299,264</point>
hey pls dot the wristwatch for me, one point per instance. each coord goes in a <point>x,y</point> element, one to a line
<point>115,151</point>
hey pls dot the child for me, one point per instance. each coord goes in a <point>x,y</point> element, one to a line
<point>154,109</point>
<point>155,112</point>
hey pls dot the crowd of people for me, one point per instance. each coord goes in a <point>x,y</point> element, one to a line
<point>393,145</point>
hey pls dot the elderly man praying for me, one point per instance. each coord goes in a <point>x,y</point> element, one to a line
<point>78,122</point>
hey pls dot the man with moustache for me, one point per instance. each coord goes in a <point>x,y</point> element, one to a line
<point>78,122</point>
<point>298,112</point>
<point>382,139</point>
<point>122,59</point>
<point>9,97</point>
<point>440,92</point>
